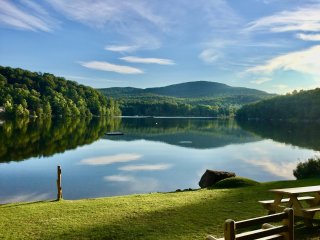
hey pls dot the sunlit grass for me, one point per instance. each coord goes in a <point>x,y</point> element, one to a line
<point>181,215</point>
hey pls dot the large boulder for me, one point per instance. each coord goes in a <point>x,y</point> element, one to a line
<point>210,177</point>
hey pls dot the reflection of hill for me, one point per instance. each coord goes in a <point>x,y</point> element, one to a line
<point>305,135</point>
<point>27,138</point>
<point>191,133</point>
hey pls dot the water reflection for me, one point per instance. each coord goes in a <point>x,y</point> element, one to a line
<point>152,155</point>
<point>190,133</point>
<point>304,135</point>
<point>25,138</point>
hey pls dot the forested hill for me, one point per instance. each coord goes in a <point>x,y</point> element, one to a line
<point>197,89</point>
<point>201,98</point>
<point>298,106</point>
<point>25,93</point>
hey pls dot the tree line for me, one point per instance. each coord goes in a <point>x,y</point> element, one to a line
<point>156,105</point>
<point>296,106</point>
<point>172,108</point>
<point>25,93</point>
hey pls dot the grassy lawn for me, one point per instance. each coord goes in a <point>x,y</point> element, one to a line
<point>181,215</point>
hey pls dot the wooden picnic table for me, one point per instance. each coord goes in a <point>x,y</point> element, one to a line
<point>295,197</point>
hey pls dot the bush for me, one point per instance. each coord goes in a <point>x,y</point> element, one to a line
<point>308,169</point>
<point>235,182</point>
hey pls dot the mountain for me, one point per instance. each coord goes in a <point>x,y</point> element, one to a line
<point>200,98</point>
<point>198,89</point>
<point>202,89</point>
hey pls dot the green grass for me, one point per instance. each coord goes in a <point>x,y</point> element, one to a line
<point>235,182</point>
<point>181,215</point>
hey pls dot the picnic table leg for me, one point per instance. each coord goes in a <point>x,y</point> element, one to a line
<point>316,200</point>
<point>277,202</point>
<point>307,217</point>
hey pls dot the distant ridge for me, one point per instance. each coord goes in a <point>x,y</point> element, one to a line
<point>189,99</point>
<point>197,89</point>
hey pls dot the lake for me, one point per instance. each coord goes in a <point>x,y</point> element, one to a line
<point>153,155</point>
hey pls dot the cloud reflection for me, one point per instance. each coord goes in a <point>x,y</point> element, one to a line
<point>106,160</point>
<point>146,167</point>
<point>130,184</point>
<point>280,169</point>
<point>118,178</point>
<point>28,197</point>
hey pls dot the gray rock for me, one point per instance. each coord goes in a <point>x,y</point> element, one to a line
<point>210,177</point>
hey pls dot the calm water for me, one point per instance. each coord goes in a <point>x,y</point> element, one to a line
<point>153,154</point>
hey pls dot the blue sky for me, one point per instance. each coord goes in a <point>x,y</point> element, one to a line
<point>272,45</point>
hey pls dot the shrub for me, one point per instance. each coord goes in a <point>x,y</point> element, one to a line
<point>308,169</point>
<point>235,182</point>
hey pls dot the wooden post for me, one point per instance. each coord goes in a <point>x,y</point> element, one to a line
<point>59,195</point>
<point>229,230</point>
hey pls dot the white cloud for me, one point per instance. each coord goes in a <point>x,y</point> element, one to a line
<point>146,167</point>
<point>107,160</point>
<point>305,61</point>
<point>34,6</point>
<point>222,24</point>
<point>98,13</point>
<point>118,178</point>
<point>261,80</point>
<point>137,21</point>
<point>302,19</point>
<point>160,61</point>
<point>308,37</point>
<point>209,55</point>
<point>121,48</point>
<point>219,14</point>
<point>109,67</point>
<point>17,17</point>
<point>144,10</point>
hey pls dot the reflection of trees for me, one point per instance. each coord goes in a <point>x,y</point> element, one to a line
<point>175,125</point>
<point>304,135</point>
<point>25,138</point>
<point>200,133</point>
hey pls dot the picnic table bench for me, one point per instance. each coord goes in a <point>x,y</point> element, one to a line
<point>295,200</point>
<point>267,232</point>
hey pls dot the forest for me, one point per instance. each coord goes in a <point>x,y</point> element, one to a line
<point>295,106</point>
<point>25,93</point>
<point>169,106</point>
